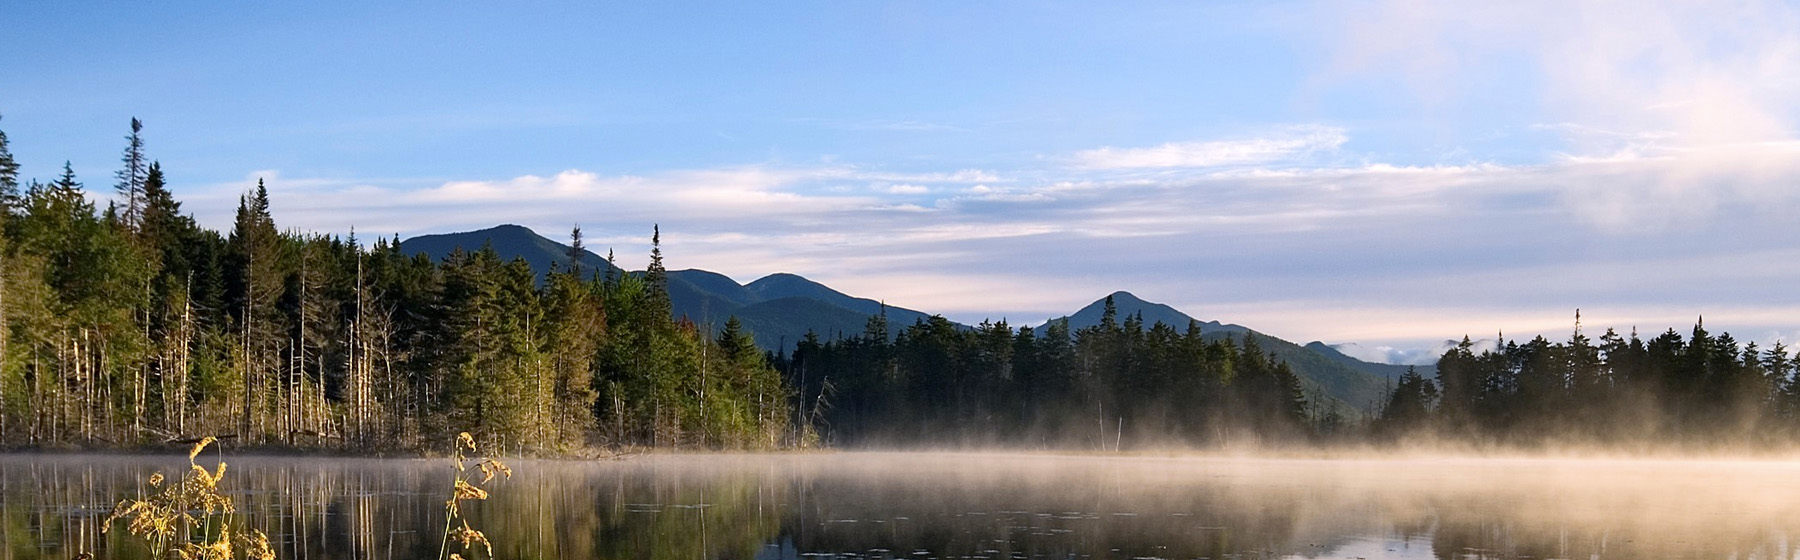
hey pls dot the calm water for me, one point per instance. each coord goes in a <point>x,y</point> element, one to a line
<point>854,506</point>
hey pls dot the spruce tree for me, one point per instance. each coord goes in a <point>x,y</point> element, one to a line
<point>656,276</point>
<point>575,251</point>
<point>10,200</point>
<point>132,177</point>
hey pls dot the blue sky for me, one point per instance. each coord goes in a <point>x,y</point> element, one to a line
<point>1391,173</point>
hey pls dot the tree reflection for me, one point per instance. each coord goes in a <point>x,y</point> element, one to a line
<point>936,507</point>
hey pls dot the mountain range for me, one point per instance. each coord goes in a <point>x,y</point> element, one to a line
<point>779,309</point>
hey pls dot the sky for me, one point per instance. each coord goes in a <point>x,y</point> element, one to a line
<point>1390,173</point>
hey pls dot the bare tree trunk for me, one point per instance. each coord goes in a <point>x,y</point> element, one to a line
<point>298,379</point>
<point>140,390</point>
<point>85,373</point>
<point>248,377</point>
<point>185,340</point>
<point>4,335</point>
<point>104,356</point>
<point>355,368</point>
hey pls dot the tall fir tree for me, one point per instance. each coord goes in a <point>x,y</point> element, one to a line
<point>130,188</point>
<point>575,251</point>
<point>10,199</point>
<point>655,276</point>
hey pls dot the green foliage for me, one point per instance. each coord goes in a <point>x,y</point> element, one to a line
<point>9,179</point>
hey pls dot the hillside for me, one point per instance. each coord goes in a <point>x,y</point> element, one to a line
<point>1355,385</point>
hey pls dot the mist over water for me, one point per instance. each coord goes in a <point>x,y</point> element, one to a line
<point>962,506</point>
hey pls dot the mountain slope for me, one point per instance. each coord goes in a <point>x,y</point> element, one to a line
<point>783,285</point>
<point>706,297</point>
<point>1385,371</point>
<point>1355,385</point>
<point>781,323</point>
<point>1127,305</point>
<point>510,242</point>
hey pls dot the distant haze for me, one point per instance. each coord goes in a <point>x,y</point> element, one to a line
<point>1408,356</point>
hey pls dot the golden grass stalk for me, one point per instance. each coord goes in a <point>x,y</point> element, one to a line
<point>167,522</point>
<point>465,487</point>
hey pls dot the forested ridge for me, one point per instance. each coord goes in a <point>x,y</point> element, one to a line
<point>131,325</point>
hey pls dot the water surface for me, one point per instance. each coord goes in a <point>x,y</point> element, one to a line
<point>855,506</point>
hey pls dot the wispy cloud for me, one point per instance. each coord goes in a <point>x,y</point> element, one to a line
<point>1284,145</point>
<point>903,189</point>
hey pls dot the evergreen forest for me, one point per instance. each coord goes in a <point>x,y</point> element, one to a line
<point>1698,392</point>
<point>132,325</point>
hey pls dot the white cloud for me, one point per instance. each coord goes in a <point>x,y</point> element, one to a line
<point>961,176</point>
<point>1410,356</point>
<point>904,189</point>
<point>1285,145</point>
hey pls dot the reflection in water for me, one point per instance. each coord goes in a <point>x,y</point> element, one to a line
<point>856,506</point>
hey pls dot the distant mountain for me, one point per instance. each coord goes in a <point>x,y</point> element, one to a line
<point>783,322</point>
<point>509,241</point>
<point>1126,305</point>
<point>778,309</point>
<point>783,285</point>
<point>1355,385</point>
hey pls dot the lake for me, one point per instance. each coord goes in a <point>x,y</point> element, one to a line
<point>953,506</point>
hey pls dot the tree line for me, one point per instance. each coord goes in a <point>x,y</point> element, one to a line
<point>1119,384</point>
<point>1698,391</point>
<point>132,325</point>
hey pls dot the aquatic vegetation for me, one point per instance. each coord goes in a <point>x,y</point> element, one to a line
<point>191,518</point>
<point>467,488</point>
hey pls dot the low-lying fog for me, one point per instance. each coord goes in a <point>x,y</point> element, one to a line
<point>965,506</point>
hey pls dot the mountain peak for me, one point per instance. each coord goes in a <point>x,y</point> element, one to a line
<point>1124,296</point>
<point>1128,304</point>
<point>510,241</point>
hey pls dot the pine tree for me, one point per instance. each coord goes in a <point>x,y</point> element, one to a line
<point>132,177</point>
<point>656,276</point>
<point>10,200</point>
<point>575,252</point>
